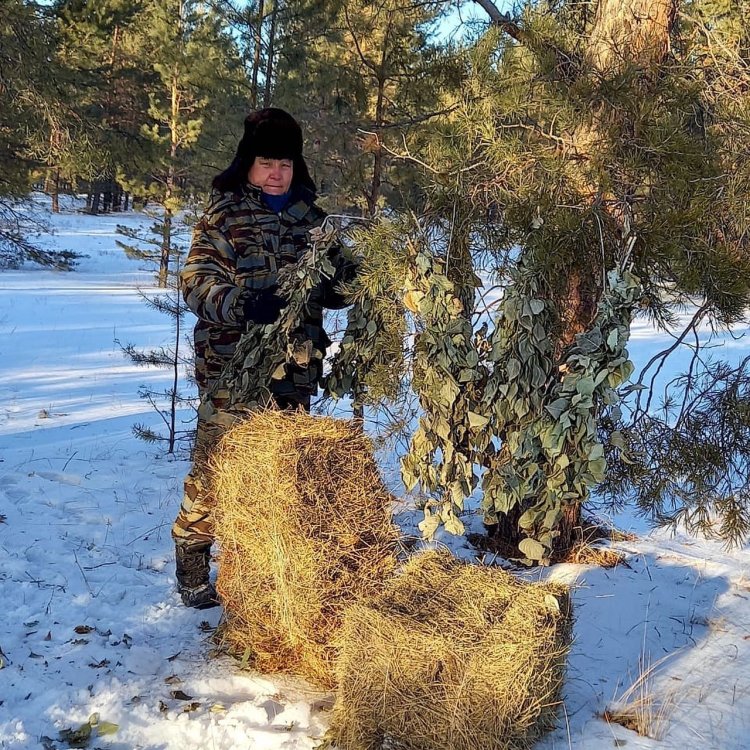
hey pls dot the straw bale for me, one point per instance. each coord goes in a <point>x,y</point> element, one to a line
<point>304,526</point>
<point>451,656</point>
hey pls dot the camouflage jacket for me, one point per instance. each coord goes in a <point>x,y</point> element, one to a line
<point>238,246</point>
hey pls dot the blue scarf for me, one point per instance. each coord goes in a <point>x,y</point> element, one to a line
<point>276,203</point>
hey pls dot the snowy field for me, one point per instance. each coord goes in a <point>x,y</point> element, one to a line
<point>90,621</point>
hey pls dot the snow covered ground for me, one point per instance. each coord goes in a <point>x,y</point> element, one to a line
<point>90,622</point>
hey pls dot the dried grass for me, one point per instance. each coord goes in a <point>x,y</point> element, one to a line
<point>451,656</point>
<point>592,554</point>
<point>639,707</point>
<point>304,525</point>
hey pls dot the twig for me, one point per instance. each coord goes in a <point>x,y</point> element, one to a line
<point>73,455</point>
<point>148,531</point>
<point>85,580</point>
<point>662,357</point>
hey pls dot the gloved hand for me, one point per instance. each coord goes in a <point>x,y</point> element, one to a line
<point>264,306</point>
<point>346,267</point>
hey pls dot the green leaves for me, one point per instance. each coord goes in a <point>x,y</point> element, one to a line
<point>532,549</point>
<point>270,352</point>
<point>512,368</point>
<point>509,407</point>
<point>545,414</point>
<point>477,421</point>
<point>81,736</point>
<point>557,407</point>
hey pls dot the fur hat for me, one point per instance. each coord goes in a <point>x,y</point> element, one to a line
<point>272,133</point>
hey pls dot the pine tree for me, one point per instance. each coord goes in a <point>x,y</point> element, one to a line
<point>35,119</point>
<point>595,159</point>
<point>195,93</point>
<point>110,85</point>
<point>359,75</point>
<point>172,357</point>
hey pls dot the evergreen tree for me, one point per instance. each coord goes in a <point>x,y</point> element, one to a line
<point>359,75</point>
<point>194,97</point>
<point>595,155</point>
<point>97,45</point>
<point>35,121</point>
<point>174,357</point>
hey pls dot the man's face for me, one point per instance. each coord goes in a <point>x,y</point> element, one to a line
<point>272,176</point>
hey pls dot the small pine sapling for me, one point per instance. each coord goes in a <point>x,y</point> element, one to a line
<point>174,356</point>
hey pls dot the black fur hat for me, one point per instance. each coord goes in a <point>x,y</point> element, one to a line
<point>272,133</point>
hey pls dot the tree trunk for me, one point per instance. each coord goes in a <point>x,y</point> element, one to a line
<point>116,198</point>
<point>256,55</point>
<point>373,194</point>
<point>269,63</point>
<point>56,191</point>
<point>107,202</point>
<point>173,391</point>
<point>166,249</point>
<point>95,198</point>
<point>624,33</point>
<point>166,245</point>
<point>630,31</point>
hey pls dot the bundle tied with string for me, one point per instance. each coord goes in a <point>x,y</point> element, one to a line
<point>451,656</point>
<point>304,525</point>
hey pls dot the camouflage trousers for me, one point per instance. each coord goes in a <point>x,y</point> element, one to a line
<point>194,524</point>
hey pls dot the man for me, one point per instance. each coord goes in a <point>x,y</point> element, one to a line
<point>262,209</point>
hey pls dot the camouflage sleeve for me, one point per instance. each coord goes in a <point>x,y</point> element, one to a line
<point>207,279</point>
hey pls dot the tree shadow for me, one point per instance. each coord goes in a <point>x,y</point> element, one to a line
<point>675,613</point>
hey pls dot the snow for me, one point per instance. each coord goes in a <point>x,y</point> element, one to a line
<point>90,620</point>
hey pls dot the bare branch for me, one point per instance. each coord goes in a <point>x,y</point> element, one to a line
<point>661,357</point>
<point>504,21</point>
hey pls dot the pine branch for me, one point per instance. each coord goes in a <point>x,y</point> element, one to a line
<point>567,63</point>
<point>660,359</point>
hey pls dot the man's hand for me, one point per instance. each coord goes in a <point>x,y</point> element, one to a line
<point>263,307</point>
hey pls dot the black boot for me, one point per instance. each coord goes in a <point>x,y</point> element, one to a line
<point>192,576</point>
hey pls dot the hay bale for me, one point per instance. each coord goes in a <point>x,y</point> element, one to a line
<point>451,656</point>
<point>304,526</point>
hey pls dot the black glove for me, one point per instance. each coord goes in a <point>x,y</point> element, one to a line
<point>264,306</point>
<point>346,268</point>
<point>347,271</point>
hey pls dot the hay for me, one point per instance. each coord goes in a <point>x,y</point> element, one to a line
<point>304,526</point>
<point>451,657</point>
<point>592,554</point>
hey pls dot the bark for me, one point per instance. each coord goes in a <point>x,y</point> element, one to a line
<point>166,249</point>
<point>373,195</point>
<point>116,197</point>
<point>624,33</point>
<point>578,303</point>
<point>166,245</point>
<point>627,32</point>
<point>55,190</point>
<point>115,43</point>
<point>95,199</point>
<point>173,397</point>
<point>503,20</point>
